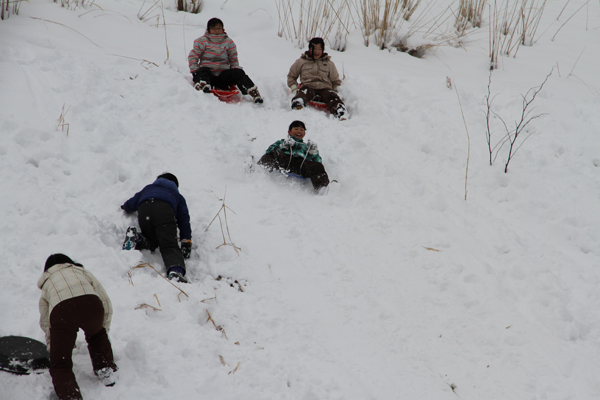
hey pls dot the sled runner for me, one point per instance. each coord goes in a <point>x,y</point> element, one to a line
<point>22,355</point>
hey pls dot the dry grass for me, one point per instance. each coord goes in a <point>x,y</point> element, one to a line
<point>381,19</point>
<point>191,6</point>
<point>61,120</point>
<point>301,20</point>
<point>469,15</point>
<point>146,265</point>
<point>513,26</point>
<point>217,327</point>
<point>152,12</point>
<point>73,4</point>
<point>8,7</point>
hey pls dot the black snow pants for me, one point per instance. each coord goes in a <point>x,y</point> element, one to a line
<point>308,169</point>
<point>159,227</point>
<point>224,80</point>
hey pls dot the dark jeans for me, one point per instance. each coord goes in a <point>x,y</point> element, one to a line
<point>85,312</point>
<point>159,227</point>
<point>296,165</point>
<point>329,97</point>
<point>224,80</point>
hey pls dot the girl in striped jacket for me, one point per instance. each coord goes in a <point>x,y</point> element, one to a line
<point>214,62</point>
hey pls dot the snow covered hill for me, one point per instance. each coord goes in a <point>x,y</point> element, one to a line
<point>395,287</point>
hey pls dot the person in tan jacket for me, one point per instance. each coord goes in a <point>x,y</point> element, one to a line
<point>73,298</point>
<point>319,79</point>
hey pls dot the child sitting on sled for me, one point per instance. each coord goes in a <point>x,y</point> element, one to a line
<point>213,62</point>
<point>295,156</point>
<point>319,79</point>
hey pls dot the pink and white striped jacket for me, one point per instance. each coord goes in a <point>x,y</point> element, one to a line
<point>217,52</point>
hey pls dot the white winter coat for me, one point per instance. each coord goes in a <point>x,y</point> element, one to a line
<point>65,281</point>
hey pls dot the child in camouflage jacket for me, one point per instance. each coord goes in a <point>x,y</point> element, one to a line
<point>295,156</point>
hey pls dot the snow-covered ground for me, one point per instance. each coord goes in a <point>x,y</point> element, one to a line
<point>394,287</point>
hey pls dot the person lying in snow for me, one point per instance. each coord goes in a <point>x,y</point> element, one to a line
<point>295,156</point>
<point>73,298</point>
<point>319,79</point>
<point>161,210</point>
<point>213,62</point>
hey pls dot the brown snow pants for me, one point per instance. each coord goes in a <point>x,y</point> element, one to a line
<point>85,312</point>
<point>329,97</point>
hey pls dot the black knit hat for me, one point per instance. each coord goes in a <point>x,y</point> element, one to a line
<point>295,124</point>
<point>59,258</point>
<point>314,41</point>
<point>169,176</point>
<point>214,22</point>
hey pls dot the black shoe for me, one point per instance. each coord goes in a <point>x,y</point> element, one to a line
<point>106,376</point>
<point>176,274</point>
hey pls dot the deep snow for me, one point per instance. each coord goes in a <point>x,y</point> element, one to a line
<point>394,287</point>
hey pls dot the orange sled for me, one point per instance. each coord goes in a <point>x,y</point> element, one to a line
<point>230,95</point>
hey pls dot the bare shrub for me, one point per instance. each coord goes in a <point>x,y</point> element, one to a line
<point>514,137</point>
<point>191,6</point>
<point>301,20</point>
<point>8,7</point>
<point>224,209</point>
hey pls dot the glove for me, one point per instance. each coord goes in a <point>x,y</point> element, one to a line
<point>288,143</point>
<point>312,147</point>
<point>122,207</point>
<point>186,248</point>
<point>294,89</point>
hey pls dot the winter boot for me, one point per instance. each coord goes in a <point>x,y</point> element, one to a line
<point>203,86</point>
<point>176,273</point>
<point>106,376</point>
<point>255,95</point>
<point>134,240</point>
<point>297,104</point>
<point>340,112</point>
<point>131,238</point>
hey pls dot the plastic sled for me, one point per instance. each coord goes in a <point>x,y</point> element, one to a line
<point>22,355</point>
<point>292,175</point>
<point>230,95</point>
<point>319,106</point>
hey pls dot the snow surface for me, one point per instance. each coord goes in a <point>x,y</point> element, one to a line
<point>394,287</point>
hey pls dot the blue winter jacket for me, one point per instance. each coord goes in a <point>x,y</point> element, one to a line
<point>164,190</point>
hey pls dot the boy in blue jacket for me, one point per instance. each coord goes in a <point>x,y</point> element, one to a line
<point>161,210</point>
<point>295,156</point>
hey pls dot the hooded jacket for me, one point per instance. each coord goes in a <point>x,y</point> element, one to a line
<point>65,281</point>
<point>299,149</point>
<point>217,52</point>
<point>164,190</point>
<point>314,74</point>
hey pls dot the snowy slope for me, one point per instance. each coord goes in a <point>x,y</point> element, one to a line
<point>395,287</point>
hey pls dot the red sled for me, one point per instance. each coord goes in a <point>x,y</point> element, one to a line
<point>319,105</point>
<point>230,95</point>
